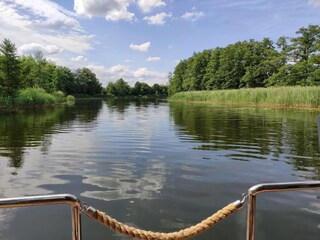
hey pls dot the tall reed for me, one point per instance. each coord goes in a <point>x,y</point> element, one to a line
<point>289,97</point>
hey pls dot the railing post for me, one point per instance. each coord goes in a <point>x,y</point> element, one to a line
<point>76,222</point>
<point>251,217</point>
<point>272,187</point>
<point>58,199</point>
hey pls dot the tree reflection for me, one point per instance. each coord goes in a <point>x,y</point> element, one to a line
<point>121,105</point>
<point>87,110</point>
<point>35,128</point>
<point>249,133</point>
<point>118,105</point>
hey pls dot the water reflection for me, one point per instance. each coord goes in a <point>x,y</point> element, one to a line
<point>123,184</point>
<point>118,105</point>
<point>121,105</point>
<point>132,169</point>
<point>157,166</point>
<point>252,134</point>
<point>34,128</point>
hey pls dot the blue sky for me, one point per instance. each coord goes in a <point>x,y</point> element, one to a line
<point>142,40</point>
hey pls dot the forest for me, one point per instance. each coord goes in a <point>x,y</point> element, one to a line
<point>290,61</point>
<point>33,80</point>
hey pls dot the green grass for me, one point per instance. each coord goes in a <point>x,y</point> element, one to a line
<point>34,97</point>
<point>288,97</point>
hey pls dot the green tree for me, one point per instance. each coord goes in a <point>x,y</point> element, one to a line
<point>306,44</point>
<point>136,90</point>
<point>65,80</point>
<point>9,69</point>
<point>145,89</point>
<point>86,82</point>
<point>164,89</point>
<point>122,87</point>
<point>263,65</point>
<point>176,80</point>
<point>111,90</point>
<point>210,77</point>
<point>27,66</point>
<point>197,67</point>
<point>38,72</point>
<point>156,89</point>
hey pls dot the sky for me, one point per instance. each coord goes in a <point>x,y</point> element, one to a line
<point>143,40</point>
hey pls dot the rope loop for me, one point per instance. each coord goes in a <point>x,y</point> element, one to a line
<point>186,233</point>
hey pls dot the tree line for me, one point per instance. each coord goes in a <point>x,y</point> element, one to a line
<point>35,71</point>
<point>21,72</point>
<point>248,64</point>
<point>121,88</point>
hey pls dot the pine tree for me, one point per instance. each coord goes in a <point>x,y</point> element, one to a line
<point>9,69</point>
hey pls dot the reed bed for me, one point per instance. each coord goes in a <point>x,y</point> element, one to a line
<point>288,97</point>
<point>33,97</point>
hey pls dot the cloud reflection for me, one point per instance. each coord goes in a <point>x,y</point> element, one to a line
<point>130,183</point>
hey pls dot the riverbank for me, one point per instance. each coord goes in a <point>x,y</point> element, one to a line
<point>283,97</point>
<point>33,98</point>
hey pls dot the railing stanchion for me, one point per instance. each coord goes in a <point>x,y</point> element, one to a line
<point>251,217</point>
<point>272,187</point>
<point>76,222</point>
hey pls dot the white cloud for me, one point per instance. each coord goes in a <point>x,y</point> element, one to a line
<point>120,15</point>
<point>146,73</point>
<point>157,19</point>
<point>49,14</point>
<point>148,5</point>
<point>79,59</point>
<point>315,3</point>
<point>144,47</point>
<point>192,16</point>
<point>153,59</point>
<point>33,47</point>
<point>113,10</point>
<point>113,73</point>
<point>128,60</point>
<point>21,21</point>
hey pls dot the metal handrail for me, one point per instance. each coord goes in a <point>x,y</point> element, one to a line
<point>272,187</point>
<point>76,206</point>
<point>57,199</point>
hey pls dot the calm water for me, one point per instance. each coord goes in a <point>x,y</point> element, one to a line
<point>158,166</point>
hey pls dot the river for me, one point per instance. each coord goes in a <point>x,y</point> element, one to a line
<point>159,166</point>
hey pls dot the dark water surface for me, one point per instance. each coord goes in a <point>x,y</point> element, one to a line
<point>159,166</point>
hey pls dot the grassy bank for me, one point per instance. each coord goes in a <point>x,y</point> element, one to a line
<point>287,97</point>
<point>33,97</point>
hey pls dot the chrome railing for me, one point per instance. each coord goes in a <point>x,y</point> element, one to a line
<point>271,187</point>
<point>50,200</point>
<point>76,206</point>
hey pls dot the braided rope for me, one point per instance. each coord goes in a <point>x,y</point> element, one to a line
<point>132,232</point>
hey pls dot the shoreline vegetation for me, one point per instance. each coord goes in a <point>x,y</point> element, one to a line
<point>33,81</point>
<point>285,73</point>
<point>34,98</point>
<point>274,97</point>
